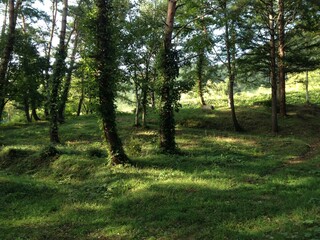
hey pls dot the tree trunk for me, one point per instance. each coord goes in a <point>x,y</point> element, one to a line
<point>48,59</point>
<point>81,98</point>
<point>281,53</point>
<point>106,78</point>
<point>200,63</point>
<point>144,93</point>
<point>231,65</point>
<point>273,77</point>
<point>7,50</point>
<point>167,123</point>
<point>57,75</point>
<point>2,105</point>
<point>307,88</point>
<point>26,108</point>
<point>34,114</point>
<point>137,110</point>
<point>66,88</point>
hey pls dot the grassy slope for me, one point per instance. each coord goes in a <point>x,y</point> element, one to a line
<point>224,185</point>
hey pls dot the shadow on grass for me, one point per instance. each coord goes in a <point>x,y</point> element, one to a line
<point>175,210</point>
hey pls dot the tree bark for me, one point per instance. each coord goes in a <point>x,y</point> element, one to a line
<point>7,51</point>
<point>66,88</point>
<point>167,123</point>
<point>58,74</point>
<point>273,77</point>
<point>106,78</point>
<point>281,54</point>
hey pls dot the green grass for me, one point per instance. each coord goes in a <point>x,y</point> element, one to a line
<point>223,185</point>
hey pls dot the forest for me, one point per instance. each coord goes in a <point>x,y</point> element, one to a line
<point>159,119</point>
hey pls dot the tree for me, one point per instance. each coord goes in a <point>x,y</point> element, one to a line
<point>230,43</point>
<point>7,51</point>
<point>106,74</point>
<point>281,53</point>
<point>57,75</point>
<point>273,77</point>
<point>169,70</point>
<point>67,83</point>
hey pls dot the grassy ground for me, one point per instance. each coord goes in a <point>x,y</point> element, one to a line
<point>223,185</point>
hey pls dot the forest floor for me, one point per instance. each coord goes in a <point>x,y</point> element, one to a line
<point>223,185</point>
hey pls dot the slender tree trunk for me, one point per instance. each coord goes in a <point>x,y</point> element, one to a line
<point>231,66</point>
<point>144,93</point>
<point>48,59</point>
<point>167,123</point>
<point>81,98</point>
<point>273,76</point>
<point>307,88</point>
<point>200,63</point>
<point>66,88</point>
<point>137,110</point>
<point>58,74</point>
<point>7,51</point>
<point>106,77</point>
<point>152,91</point>
<point>281,53</point>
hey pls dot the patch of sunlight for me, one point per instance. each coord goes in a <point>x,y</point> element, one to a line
<point>237,141</point>
<point>147,133</point>
<point>42,220</point>
<point>87,206</point>
<point>297,182</point>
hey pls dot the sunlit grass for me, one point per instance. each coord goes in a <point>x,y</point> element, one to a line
<point>222,184</point>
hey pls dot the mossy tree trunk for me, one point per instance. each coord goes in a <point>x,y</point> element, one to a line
<point>106,77</point>
<point>169,72</point>
<point>57,76</point>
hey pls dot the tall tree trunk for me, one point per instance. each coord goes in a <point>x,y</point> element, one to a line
<point>281,53</point>
<point>231,65</point>
<point>48,59</point>
<point>7,50</point>
<point>167,123</point>
<point>57,75</point>
<point>273,76</point>
<point>200,63</point>
<point>66,88</point>
<point>106,78</point>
